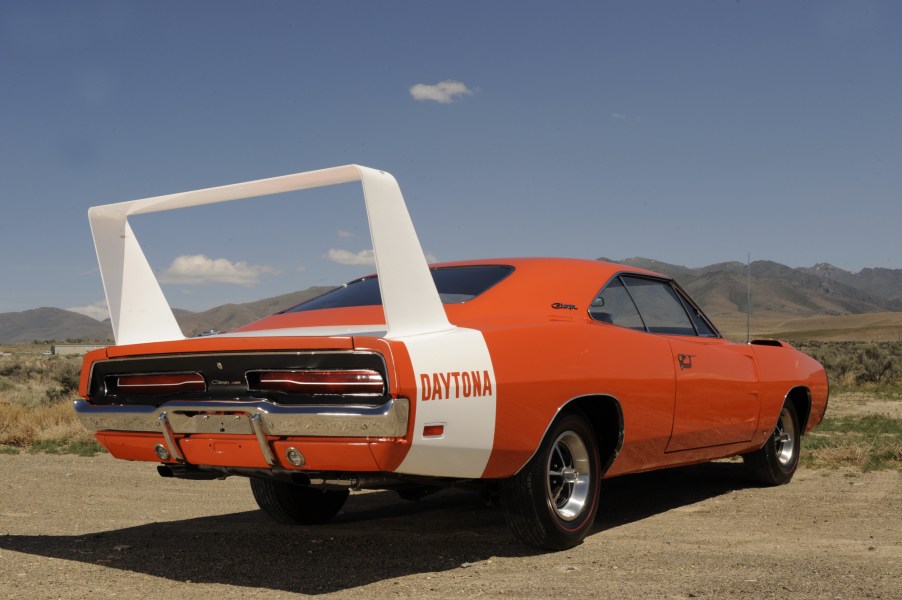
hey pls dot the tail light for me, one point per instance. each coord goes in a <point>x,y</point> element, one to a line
<point>361,382</point>
<point>155,384</point>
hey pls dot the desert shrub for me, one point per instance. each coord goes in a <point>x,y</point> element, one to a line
<point>859,364</point>
<point>36,392</point>
<point>65,376</point>
<point>38,379</point>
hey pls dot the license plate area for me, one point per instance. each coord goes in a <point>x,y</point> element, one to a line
<point>227,423</point>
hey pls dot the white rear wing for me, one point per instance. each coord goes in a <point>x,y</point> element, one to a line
<point>139,310</point>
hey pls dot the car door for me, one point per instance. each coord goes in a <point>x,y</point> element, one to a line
<point>717,395</point>
<point>717,399</point>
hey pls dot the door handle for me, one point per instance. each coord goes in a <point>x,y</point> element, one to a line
<point>685,361</point>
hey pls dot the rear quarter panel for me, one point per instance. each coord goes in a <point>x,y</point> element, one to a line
<point>541,368</point>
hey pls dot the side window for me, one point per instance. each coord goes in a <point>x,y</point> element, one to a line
<point>659,306</point>
<point>701,325</point>
<point>614,305</point>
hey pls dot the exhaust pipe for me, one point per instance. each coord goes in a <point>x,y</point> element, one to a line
<point>346,481</point>
<point>188,472</point>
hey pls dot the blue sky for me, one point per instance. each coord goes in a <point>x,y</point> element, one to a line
<point>689,132</point>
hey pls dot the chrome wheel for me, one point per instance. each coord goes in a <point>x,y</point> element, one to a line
<point>569,476</point>
<point>552,501</point>
<point>784,438</point>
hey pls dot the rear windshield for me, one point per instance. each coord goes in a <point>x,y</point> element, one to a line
<point>455,285</point>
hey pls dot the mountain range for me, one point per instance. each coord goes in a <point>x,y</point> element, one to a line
<point>721,289</point>
<point>785,292</point>
<point>57,324</point>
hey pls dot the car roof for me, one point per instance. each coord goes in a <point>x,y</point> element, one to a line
<point>536,265</point>
<point>538,287</point>
<point>537,283</point>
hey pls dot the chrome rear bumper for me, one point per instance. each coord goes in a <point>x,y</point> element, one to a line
<point>256,418</point>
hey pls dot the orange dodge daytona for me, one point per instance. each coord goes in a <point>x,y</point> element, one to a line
<point>532,378</point>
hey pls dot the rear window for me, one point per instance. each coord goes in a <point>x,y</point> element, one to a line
<point>455,285</point>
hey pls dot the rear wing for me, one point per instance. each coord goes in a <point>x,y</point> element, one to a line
<point>139,310</point>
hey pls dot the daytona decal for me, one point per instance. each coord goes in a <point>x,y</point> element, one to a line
<point>456,387</point>
<point>455,384</point>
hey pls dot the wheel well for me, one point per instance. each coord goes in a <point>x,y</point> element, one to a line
<point>801,398</point>
<point>606,418</point>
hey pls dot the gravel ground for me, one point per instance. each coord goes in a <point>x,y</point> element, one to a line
<point>74,527</point>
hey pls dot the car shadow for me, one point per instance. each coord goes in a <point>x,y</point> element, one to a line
<point>376,537</point>
<point>631,498</point>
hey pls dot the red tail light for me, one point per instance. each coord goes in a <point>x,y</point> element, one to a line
<point>362,382</point>
<point>155,384</point>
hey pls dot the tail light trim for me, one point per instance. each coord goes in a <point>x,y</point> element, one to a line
<point>146,384</point>
<point>344,382</point>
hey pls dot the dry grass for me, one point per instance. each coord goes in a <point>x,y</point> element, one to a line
<point>22,427</point>
<point>868,327</point>
<point>36,393</point>
<point>855,436</point>
<point>851,454</point>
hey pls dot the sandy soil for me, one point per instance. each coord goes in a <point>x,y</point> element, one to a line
<point>74,527</point>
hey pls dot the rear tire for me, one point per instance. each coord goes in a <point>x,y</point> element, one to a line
<point>294,504</point>
<point>776,461</point>
<point>552,502</point>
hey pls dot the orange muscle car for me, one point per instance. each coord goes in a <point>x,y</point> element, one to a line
<point>533,378</point>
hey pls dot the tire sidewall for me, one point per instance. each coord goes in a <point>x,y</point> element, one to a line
<point>563,530</point>
<point>764,464</point>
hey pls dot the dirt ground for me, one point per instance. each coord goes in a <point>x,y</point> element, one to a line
<point>73,527</point>
<point>858,404</point>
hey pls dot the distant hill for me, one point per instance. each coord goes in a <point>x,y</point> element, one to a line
<point>60,325</point>
<point>230,316</point>
<point>780,295</point>
<point>819,302</point>
<point>881,282</point>
<point>781,291</point>
<point>51,324</point>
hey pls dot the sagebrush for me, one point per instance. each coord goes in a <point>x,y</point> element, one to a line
<point>857,365</point>
<point>36,394</point>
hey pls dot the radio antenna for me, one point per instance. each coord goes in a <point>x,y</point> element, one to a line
<point>748,301</point>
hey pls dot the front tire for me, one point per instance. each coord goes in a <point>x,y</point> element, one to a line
<point>294,504</point>
<point>552,502</point>
<point>776,461</point>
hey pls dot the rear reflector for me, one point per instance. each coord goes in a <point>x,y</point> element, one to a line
<point>156,383</point>
<point>433,430</point>
<point>359,382</point>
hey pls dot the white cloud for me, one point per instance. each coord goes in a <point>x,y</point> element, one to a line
<point>364,257</point>
<point>618,116</point>
<point>346,257</point>
<point>98,310</point>
<point>444,92</point>
<point>199,269</point>
<point>344,234</point>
